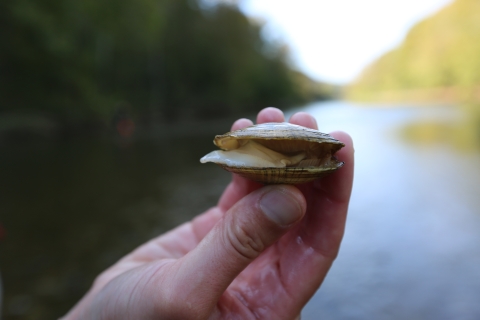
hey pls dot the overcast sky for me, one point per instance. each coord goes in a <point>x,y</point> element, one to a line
<point>333,40</point>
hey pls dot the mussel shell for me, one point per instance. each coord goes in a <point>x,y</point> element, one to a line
<point>285,138</point>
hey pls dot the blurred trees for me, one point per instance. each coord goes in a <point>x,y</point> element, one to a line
<point>84,60</point>
<point>441,51</point>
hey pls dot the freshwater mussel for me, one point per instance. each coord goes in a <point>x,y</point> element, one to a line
<point>274,153</point>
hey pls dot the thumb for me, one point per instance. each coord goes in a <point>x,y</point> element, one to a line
<point>247,229</point>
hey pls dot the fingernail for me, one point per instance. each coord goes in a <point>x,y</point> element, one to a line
<point>280,207</point>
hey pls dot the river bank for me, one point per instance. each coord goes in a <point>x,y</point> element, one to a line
<point>452,95</point>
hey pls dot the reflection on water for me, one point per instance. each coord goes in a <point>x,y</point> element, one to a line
<point>459,128</point>
<point>71,209</point>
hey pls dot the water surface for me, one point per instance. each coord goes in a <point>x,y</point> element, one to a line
<point>411,248</point>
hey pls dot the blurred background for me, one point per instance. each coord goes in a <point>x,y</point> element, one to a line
<point>107,106</point>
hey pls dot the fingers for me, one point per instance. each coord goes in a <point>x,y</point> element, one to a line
<point>333,195</point>
<point>309,251</point>
<point>304,119</point>
<point>338,186</point>
<point>328,201</point>
<point>327,197</point>
<point>240,187</point>
<point>247,229</point>
<point>270,114</point>
<point>236,190</point>
<point>241,123</point>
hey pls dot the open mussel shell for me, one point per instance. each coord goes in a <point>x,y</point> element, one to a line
<point>277,153</point>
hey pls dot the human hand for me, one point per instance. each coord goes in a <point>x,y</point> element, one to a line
<point>262,252</point>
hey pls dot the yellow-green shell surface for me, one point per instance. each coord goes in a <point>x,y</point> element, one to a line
<point>288,139</point>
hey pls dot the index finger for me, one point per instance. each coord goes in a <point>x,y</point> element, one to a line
<point>240,187</point>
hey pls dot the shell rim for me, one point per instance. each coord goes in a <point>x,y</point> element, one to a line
<point>337,145</point>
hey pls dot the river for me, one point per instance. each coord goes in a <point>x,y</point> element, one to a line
<point>412,243</point>
<point>69,209</point>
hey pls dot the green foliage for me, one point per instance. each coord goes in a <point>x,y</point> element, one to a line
<point>441,51</point>
<point>83,60</point>
<point>58,55</point>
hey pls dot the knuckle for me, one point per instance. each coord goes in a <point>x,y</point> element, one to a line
<point>247,243</point>
<point>101,280</point>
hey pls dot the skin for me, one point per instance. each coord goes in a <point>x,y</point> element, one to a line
<point>234,261</point>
